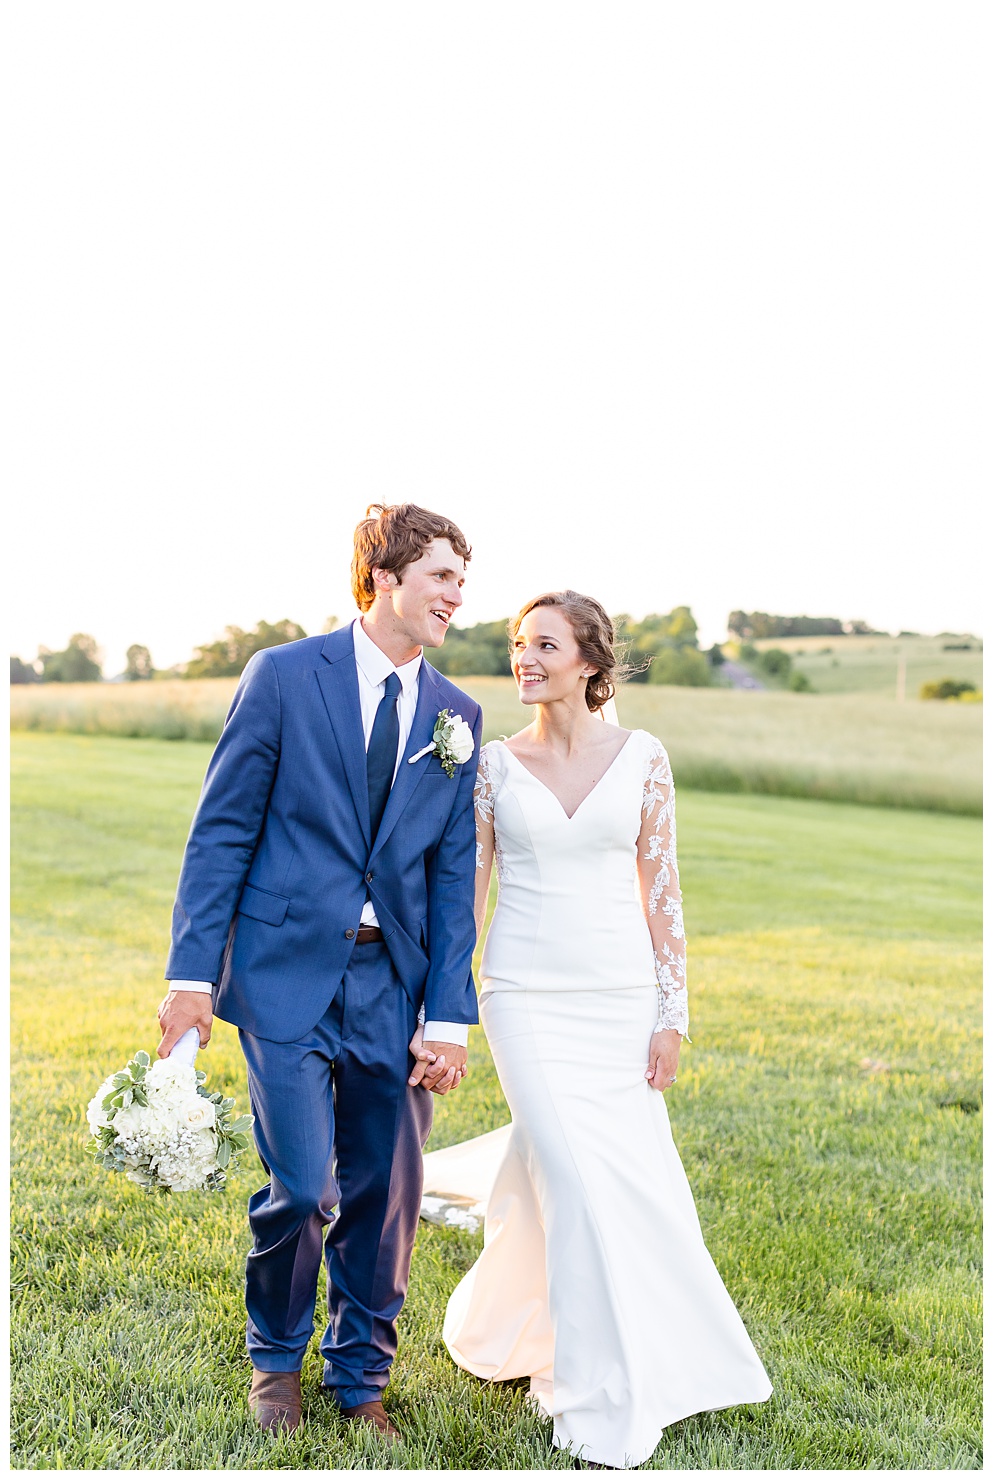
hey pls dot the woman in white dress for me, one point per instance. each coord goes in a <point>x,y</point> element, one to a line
<point>594,1280</point>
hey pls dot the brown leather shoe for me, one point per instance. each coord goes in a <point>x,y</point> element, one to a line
<point>275,1400</point>
<point>373,1413</point>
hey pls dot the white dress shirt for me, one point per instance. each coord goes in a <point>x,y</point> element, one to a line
<point>374,668</point>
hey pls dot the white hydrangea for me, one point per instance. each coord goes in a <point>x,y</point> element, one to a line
<point>96,1115</point>
<point>130,1122</point>
<point>170,1082</point>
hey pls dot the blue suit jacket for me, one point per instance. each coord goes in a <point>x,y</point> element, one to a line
<point>280,859</point>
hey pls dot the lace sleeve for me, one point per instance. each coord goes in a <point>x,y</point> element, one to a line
<point>659,876</point>
<point>483,798</point>
<point>483,801</point>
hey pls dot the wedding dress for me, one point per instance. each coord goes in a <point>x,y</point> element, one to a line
<point>594,1280</point>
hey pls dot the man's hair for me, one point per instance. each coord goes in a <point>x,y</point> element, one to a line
<point>391,537</point>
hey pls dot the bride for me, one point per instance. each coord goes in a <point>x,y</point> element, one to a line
<point>594,1280</point>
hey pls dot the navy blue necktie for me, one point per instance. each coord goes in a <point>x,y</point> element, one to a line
<point>381,757</point>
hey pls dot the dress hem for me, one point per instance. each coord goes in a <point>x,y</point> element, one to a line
<point>601,1456</point>
<point>588,1451</point>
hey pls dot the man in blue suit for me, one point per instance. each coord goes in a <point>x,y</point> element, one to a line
<point>325,907</point>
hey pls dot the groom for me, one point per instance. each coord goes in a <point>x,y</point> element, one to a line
<point>326,896</point>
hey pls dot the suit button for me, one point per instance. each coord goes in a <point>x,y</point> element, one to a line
<point>368,878</point>
<point>349,934</point>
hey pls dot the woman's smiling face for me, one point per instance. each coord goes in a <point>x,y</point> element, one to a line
<point>545,658</point>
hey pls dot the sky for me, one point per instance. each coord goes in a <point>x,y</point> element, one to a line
<point>673,304</point>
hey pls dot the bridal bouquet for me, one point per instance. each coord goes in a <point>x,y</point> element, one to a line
<point>158,1125</point>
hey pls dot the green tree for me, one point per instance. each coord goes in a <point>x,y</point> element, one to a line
<point>22,672</point>
<point>776,662</point>
<point>663,648</point>
<point>482,650</point>
<point>227,657</point>
<point>681,629</point>
<point>685,666</point>
<point>79,662</point>
<point>139,667</point>
<point>862,629</point>
<point>761,624</point>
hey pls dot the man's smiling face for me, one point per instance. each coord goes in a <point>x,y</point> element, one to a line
<point>428,595</point>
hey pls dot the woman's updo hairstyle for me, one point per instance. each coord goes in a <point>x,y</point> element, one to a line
<point>594,634</point>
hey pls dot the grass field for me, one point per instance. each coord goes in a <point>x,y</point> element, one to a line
<point>859,747</point>
<point>843,747</point>
<point>174,709</point>
<point>827,1113</point>
<point>845,665</point>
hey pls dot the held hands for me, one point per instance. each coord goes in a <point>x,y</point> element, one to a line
<point>663,1058</point>
<point>439,1067</point>
<point>179,1011</point>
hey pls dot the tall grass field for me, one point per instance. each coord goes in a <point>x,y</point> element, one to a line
<point>828,1113</point>
<point>861,747</point>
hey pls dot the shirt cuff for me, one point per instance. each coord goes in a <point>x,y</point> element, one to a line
<point>191,986</point>
<point>457,1033</point>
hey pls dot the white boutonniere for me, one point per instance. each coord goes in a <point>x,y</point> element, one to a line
<point>451,742</point>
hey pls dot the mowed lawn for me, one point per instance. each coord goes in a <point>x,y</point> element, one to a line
<point>828,1114</point>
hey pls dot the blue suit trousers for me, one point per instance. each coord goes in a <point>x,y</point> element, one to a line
<point>340,1133</point>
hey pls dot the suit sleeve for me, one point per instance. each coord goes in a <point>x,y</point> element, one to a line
<point>227,825</point>
<point>449,993</point>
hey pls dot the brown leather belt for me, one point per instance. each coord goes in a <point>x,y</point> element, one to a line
<point>366,934</point>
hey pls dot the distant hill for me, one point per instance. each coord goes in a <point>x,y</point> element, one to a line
<point>869,664</point>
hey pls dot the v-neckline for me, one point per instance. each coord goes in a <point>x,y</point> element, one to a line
<point>569,816</point>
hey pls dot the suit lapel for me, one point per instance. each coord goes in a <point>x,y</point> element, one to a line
<point>340,689</point>
<point>425,718</point>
